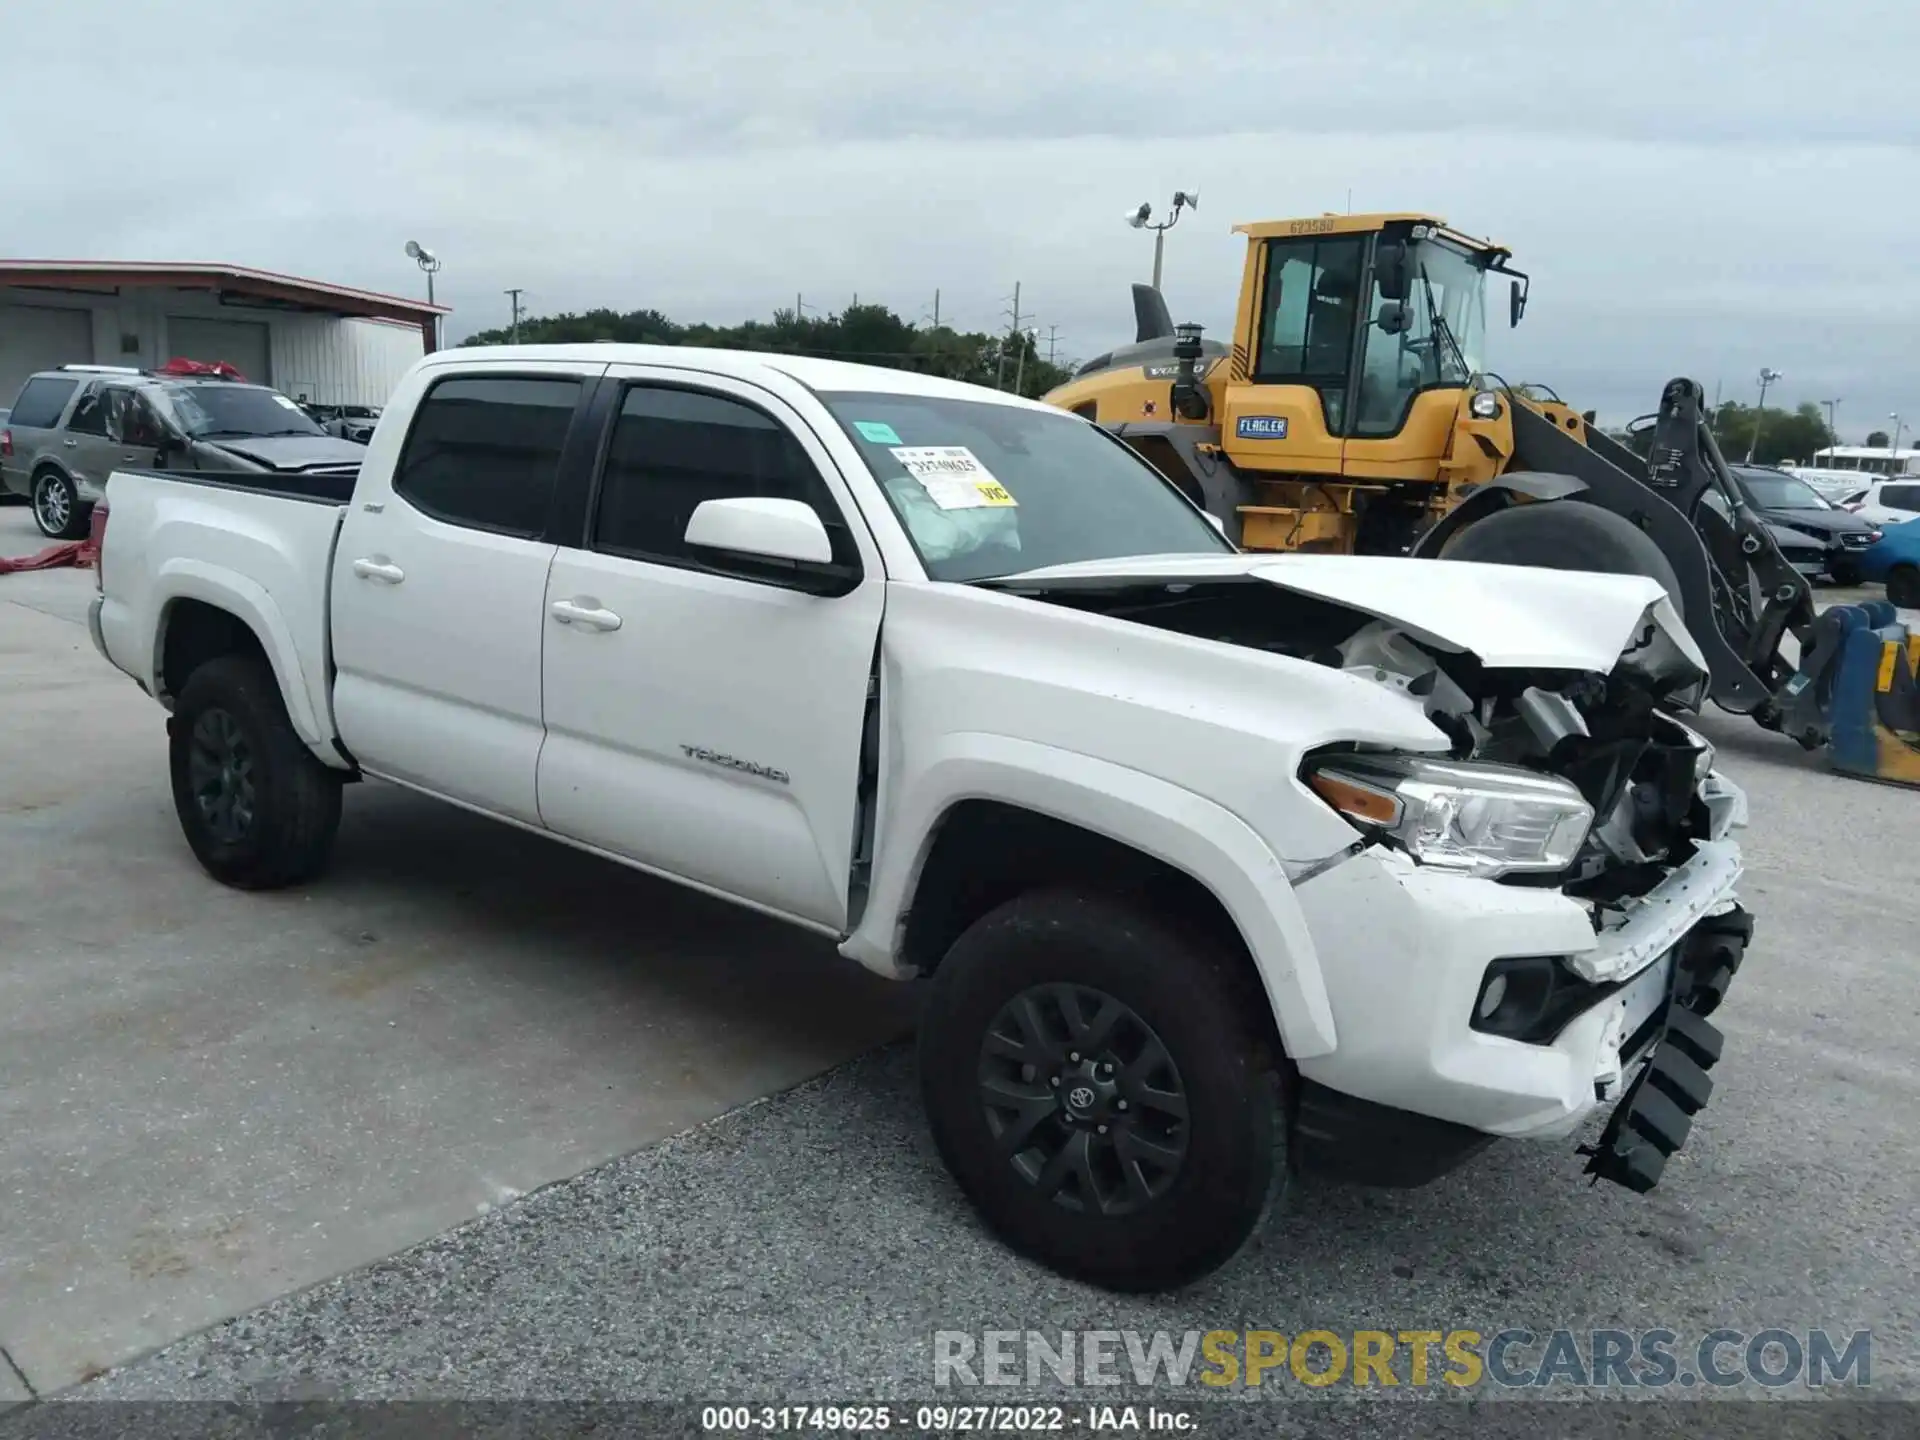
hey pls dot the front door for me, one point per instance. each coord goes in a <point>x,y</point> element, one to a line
<point>439,587</point>
<point>704,725</point>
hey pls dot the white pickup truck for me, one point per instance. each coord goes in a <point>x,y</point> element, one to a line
<point>1220,866</point>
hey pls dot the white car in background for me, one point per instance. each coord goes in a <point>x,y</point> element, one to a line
<point>1892,501</point>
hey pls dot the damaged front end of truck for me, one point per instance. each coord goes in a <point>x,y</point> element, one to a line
<point>1568,767</point>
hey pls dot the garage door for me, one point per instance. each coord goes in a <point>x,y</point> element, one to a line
<point>35,337</point>
<point>241,343</point>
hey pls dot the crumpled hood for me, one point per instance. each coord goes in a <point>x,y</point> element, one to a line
<point>292,452</point>
<point>1507,616</point>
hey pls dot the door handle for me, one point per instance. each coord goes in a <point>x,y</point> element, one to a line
<point>71,444</point>
<point>378,570</point>
<point>591,618</point>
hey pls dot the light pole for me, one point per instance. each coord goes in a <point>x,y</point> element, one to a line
<point>1893,442</point>
<point>1833,428</point>
<point>429,262</point>
<point>1142,218</point>
<point>1767,377</point>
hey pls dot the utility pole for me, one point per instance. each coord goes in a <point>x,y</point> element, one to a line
<point>1053,333</point>
<point>1832,428</point>
<point>1000,365</point>
<point>515,295</point>
<point>936,309</point>
<point>1022,338</point>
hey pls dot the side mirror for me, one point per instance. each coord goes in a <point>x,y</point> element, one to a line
<point>1390,269</point>
<point>761,538</point>
<point>1394,318</point>
<point>1516,303</point>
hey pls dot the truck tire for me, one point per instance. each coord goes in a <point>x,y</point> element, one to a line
<point>257,808</point>
<point>1903,586</point>
<point>1566,535</point>
<point>57,509</point>
<point>1135,1151</point>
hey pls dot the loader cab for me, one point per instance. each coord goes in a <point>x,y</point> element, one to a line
<point>1368,314</point>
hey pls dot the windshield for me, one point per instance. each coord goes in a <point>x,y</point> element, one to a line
<point>1444,342</point>
<point>986,489</point>
<point>214,410</point>
<point>1781,492</point>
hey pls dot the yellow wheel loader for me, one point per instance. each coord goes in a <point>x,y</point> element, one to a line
<point>1353,413</point>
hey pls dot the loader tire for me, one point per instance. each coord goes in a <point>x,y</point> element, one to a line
<point>1566,535</point>
<point>257,808</point>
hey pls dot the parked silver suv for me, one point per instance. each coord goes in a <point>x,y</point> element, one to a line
<point>71,427</point>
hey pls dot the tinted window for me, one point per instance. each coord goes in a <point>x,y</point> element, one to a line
<point>673,449</point>
<point>484,451</point>
<point>986,489</point>
<point>41,402</point>
<point>1901,497</point>
<point>90,415</point>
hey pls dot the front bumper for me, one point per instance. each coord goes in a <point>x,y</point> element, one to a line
<point>1404,951</point>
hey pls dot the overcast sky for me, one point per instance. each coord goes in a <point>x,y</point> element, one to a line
<point>1700,188</point>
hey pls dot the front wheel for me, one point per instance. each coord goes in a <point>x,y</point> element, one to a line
<point>1096,1090</point>
<point>56,507</point>
<point>257,808</point>
<point>1903,586</point>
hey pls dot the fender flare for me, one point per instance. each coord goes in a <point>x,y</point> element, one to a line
<point>1493,495</point>
<point>1175,826</point>
<point>249,603</point>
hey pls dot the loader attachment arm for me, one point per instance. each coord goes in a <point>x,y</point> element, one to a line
<point>1740,595</point>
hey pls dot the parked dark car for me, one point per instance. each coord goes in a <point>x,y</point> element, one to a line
<point>72,426</point>
<point>1793,508</point>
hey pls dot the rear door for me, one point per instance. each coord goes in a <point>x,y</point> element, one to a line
<point>31,424</point>
<point>705,725</point>
<point>439,583</point>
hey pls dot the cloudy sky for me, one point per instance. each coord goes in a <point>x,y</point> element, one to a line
<point>1701,187</point>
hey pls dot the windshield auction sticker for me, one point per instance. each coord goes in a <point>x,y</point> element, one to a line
<point>953,476</point>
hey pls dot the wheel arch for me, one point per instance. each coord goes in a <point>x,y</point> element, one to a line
<point>202,615</point>
<point>1006,817</point>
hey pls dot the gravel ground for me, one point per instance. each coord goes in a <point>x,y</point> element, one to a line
<point>809,1245</point>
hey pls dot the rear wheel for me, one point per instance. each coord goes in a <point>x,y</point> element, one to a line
<point>56,507</point>
<point>1095,1088</point>
<point>257,808</point>
<point>1565,535</point>
<point>1903,586</point>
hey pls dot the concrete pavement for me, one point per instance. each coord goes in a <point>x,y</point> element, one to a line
<point>208,1099</point>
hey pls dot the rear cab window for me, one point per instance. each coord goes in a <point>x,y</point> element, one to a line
<point>484,450</point>
<point>41,401</point>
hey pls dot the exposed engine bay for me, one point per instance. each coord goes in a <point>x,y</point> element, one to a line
<point>1613,736</point>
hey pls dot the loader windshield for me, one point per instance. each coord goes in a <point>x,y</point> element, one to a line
<point>1443,344</point>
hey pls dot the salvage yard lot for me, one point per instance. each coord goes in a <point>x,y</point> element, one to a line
<point>210,1100</point>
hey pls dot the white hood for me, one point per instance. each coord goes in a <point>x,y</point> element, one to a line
<point>1507,616</point>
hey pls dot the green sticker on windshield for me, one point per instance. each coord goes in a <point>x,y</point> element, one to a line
<point>877,431</point>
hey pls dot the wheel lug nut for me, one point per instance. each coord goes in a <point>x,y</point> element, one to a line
<point>1121,1105</point>
<point>1103,1129</point>
<point>1055,1082</point>
<point>1073,1057</point>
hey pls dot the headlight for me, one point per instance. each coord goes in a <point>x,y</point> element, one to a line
<point>1484,820</point>
<point>1485,405</point>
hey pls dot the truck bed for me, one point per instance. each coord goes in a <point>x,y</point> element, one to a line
<point>327,487</point>
<point>258,546</point>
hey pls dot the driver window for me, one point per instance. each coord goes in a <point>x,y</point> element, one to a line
<point>1306,334</point>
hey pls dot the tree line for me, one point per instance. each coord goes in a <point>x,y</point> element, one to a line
<point>863,334</point>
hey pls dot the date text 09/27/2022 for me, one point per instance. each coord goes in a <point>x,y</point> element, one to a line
<point>943,1419</point>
